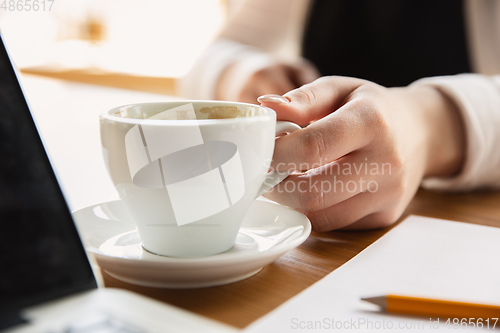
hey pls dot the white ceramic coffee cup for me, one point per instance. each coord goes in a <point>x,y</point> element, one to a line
<point>181,207</point>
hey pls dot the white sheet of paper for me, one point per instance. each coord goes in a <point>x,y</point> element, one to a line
<point>422,257</point>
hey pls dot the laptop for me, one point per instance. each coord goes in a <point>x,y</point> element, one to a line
<point>46,281</point>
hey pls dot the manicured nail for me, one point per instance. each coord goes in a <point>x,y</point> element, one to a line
<point>271,98</point>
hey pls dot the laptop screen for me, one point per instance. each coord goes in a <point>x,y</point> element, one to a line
<point>41,256</point>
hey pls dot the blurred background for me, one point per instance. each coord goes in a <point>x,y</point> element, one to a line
<point>81,51</point>
<point>146,38</point>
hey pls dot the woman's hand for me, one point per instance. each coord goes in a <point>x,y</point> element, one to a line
<point>277,78</point>
<point>366,150</point>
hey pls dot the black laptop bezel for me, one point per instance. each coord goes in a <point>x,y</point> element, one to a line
<point>87,282</point>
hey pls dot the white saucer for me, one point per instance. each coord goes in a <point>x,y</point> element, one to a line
<point>268,231</point>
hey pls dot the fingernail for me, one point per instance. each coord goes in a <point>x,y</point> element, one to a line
<point>271,98</point>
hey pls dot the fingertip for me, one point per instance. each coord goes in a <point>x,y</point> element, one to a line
<point>317,225</point>
<point>284,113</point>
<point>285,108</point>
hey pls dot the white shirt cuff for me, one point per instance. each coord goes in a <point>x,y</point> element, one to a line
<point>478,100</point>
<point>201,81</point>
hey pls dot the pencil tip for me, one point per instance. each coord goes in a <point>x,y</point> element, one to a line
<point>378,300</point>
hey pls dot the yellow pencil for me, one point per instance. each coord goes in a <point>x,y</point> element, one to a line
<point>434,308</point>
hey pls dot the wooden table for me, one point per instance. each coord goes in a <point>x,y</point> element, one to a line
<point>158,85</point>
<point>241,303</point>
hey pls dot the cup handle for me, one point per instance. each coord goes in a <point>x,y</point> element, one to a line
<point>274,178</point>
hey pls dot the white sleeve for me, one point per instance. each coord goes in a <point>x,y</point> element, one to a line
<point>257,34</point>
<point>201,81</point>
<point>478,100</point>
